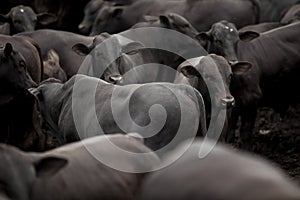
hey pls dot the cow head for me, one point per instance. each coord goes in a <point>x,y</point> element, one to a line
<point>109,60</point>
<point>90,13</point>
<point>14,77</point>
<point>52,68</point>
<point>203,73</point>
<point>171,21</point>
<point>223,38</point>
<point>108,19</point>
<point>19,172</point>
<point>23,18</point>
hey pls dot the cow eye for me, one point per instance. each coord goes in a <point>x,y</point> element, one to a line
<point>22,64</point>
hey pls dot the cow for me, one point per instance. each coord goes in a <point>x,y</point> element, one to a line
<point>171,21</point>
<point>59,104</point>
<point>90,13</point>
<point>72,48</point>
<point>23,18</point>
<point>31,53</point>
<point>52,67</point>
<point>114,19</point>
<point>271,72</point>
<point>20,124</point>
<point>223,174</point>
<point>274,10</point>
<point>78,168</point>
<point>211,76</point>
<point>292,15</point>
<point>91,10</point>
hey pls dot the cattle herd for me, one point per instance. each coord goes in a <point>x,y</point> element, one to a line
<point>145,99</point>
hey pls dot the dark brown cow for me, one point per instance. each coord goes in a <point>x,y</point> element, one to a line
<point>20,125</point>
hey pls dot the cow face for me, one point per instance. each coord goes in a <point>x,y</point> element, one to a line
<point>110,60</point>
<point>203,73</point>
<point>18,172</point>
<point>13,72</point>
<point>90,13</point>
<point>23,18</point>
<point>108,19</point>
<point>52,67</point>
<point>223,38</point>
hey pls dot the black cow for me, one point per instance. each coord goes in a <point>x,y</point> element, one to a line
<point>273,10</point>
<point>90,13</point>
<point>91,10</point>
<point>68,109</point>
<point>292,15</point>
<point>274,72</point>
<point>20,125</point>
<point>63,43</point>
<point>223,174</point>
<point>171,21</point>
<point>114,19</point>
<point>75,171</point>
<point>23,18</point>
<point>31,53</point>
<point>211,75</point>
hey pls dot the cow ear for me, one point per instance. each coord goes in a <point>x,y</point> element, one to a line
<point>52,55</point>
<point>189,71</point>
<point>81,49</point>
<point>240,68</point>
<point>8,49</point>
<point>49,166</point>
<point>46,18</point>
<point>164,20</point>
<point>203,38</point>
<point>132,48</point>
<point>4,19</point>
<point>117,12</point>
<point>248,35</point>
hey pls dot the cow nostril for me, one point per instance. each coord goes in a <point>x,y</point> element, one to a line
<point>115,79</point>
<point>232,62</point>
<point>228,101</point>
<point>81,27</point>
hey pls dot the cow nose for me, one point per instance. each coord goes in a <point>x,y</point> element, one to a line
<point>233,62</point>
<point>81,26</point>
<point>228,102</point>
<point>115,78</point>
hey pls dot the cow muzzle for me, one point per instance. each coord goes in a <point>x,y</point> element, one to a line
<point>115,79</point>
<point>228,102</point>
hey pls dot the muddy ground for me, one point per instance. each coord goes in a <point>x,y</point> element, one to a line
<point>278,139</point>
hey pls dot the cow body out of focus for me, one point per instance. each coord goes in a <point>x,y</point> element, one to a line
<point>223,174</point>
<point>78,166</point>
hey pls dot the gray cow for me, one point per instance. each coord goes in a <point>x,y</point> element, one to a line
<point>75,171</point>
<point>77,108</point>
